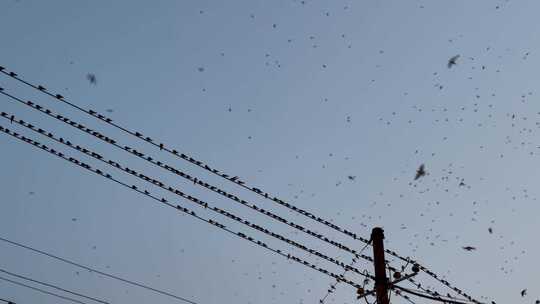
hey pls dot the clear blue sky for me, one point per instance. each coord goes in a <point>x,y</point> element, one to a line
<point>293,96</point>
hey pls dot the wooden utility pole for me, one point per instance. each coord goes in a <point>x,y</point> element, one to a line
<point>381,281</point>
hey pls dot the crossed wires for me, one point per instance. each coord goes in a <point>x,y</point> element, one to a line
<point>333,286</point>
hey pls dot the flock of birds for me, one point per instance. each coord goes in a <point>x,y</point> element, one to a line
<point>425,179</point>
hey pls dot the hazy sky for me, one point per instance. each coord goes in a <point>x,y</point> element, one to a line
<point>294,97</point>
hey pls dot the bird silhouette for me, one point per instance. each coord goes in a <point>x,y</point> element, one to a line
<point>452,61</point>
<point>524,292</point>
<point>469,248</point>
<point>11,118</point>
<point>91,78</point>
<point>421,172</point>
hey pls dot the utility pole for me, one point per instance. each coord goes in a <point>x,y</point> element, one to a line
<point>381,281</point>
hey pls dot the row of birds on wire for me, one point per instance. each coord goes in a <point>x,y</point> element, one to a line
<point>419,174</point>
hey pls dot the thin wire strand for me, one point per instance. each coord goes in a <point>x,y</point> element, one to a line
<point>178,207</point>
<point>179,193</point>
<point>234,179</point>
<point>438,299</point>
<point>53,286</point>
<point>7,301</point>
<point>167,167</point>
<point>115,277</point>
<point>333,286</point>
<point>42,291</point>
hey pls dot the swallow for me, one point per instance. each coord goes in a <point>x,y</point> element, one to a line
<point>421,172</point>
<point>452,61</point>
<point>11,118</point>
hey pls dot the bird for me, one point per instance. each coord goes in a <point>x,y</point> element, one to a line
<point>421,172</point>
<point>469,248</point>
<point>11,118</point>
<point>524,292</point>
<point>351,177</point>
<point>490,230</point>
<point>453,61</point>
<point>91,78</point>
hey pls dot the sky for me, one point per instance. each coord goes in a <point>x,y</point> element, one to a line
<point>329,105</point>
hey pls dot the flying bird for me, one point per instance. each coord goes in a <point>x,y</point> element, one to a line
<point>421,172</point>
<point>92,78</point>
<point>452,61</point>
<point>469,248</point>
<point>524,292</point>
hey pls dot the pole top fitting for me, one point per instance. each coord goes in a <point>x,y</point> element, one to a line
<point>377,233</point>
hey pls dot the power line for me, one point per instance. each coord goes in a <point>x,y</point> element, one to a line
<point>7,301</point>
<point>234,179</point>
<point>115,277</point>
<point>53,286</point>
<point>164,166</point>
<point>178,207</point>
<point>156,182</point>
<point>42,291</point>
<point>333,286</point>
<point>438,299</point>
<point>190,198</point>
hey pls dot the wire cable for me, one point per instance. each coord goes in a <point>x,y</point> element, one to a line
<point>177,192</point>
<point>177,207</point>
<point>53,286</point>
<point>234,179</point>
<point>333,286</point>
<point>43,291</point>
<point>167,167</point>
<point>438,299</point>
<point>6,301</point>
<point>115,277</point>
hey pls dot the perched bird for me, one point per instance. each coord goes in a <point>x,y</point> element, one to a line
<point>490,230</point>
<point>91,78</point>
<point>469,248</point>
<point>524,292</point>
<point>452,61</point>
<point>11,118</point>
<point>421,172</point>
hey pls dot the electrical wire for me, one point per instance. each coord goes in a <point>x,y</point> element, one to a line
<point>115,277</point>
<point>53,286</point>
<point>333,286</point>
<point>234,179</point>
<point>177,192</point>
<point>438,299</point>
<point>178,207</point>
<point>169,168</point>
<point>42,291</point>
<point>6,301</point>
